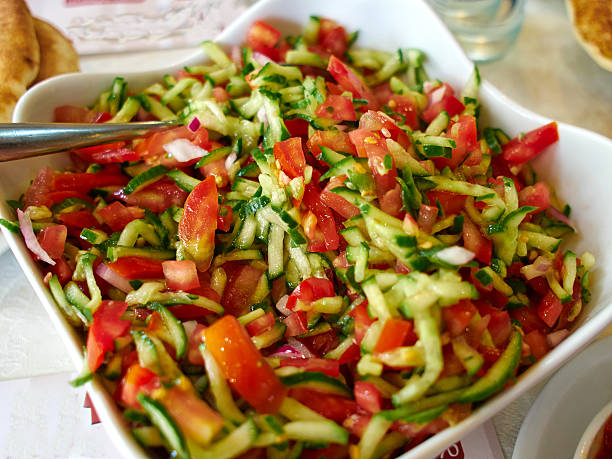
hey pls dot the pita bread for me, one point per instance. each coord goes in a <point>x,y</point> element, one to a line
<point>592,21</point>
<point>19,54</point>
<point>57,55</point>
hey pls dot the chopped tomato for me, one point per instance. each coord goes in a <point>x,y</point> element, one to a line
<point>458,316</point>
<point>180,275</point>
<point>218,170</point>
<point>441,98</point>
<point>137,268</point>
<point>261,324</point>
<point>452,365</point>
<point>332,37</point>
<point>331,452</point>
<point>474,241</point>
<point>325,220</point>
<point>62,270</point>
<point>243,365</point>
<point>310,290</point>
<point>351,354</point>
<point>262,37</point>
<point>394,333</point>
<point>298,127</point>
<point>405,107</point>
<point>85,181</point>
<point>137,380</point>
<point>330,367</point>
<point>225,218</point>
<point>549,309</point>
<point>385,127</point>
<point>186,312</point>
<point>116,215</point>
<point>322,343</point>
<point>335,140</point>
<point>194,356</point>
<point>197,227</point>
<point>78,220</point>
<point>332,407</point>
<point>107,153</point>
<point>499,324</point>
<point>297,323</point>
<point>526,147</point>
<point>151,148</point>
<point>156,197</point>
<point>52,240</point>
<point>528,318</point>
<point>537,343</point>
<point>349,81</point>
<point>337,202</point>
<point>427,217</point>
<point>368,396</point>
<point>105,327</point>
<point>240,286</point>
<point>464,133</point>
<point>362,320</point>
<point>290,155</point>
<point>37,193</point>
<point>338,108</point>
<point>451,203</point>
<point>537,195</point>
<point>74,114</point>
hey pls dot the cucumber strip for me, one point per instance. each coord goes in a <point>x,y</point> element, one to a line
<point>438,124</point>
<point>166,425</point>
<point>148,355</point>
<point>156,108</point>
<point>251,316</point>
<point>60,298</point>
<point>270,336</point>
<point>79,300</point>
<point>182,180</point>
<point>113,253</point>
<point>128,111</point>
<point>93,236</point>
<point>173,326</point>
<point>569,265</point>
<point>148,436</point>
<point>214,155</point>
<point>146,178</point>
<point>471,359</point>
<point>305,58</point>
<point>237,442</point>
<point>311,30</point>
<point>318,381</point>
<point>246,236</point>
<point>389,443</point>
<point>116,97</point>
<point>316,431</point>
<point>135,229</point>
<point>540,241</point>
<point>337,352</point>
<point>472,85</point>
<point>372,435</point>
<point>237,255</point>
<point>220,389</point>
<point>152,292</point>
<point>216,54</point>
<point>295,411</point>
<point>376,300</point>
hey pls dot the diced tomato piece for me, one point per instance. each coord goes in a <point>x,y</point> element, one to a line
<point>549,309</point>
<point>309,290</point>
<point>62,270</point>
<point>290,155</point>
<point>499,325</point>
<point>332,407</point>
<point>218,170</point>
<point>362,320</point>
<point>52,240</point>
<point>225,218</point>
<point>325,219</point>
<point>116,215</point>
<point>330,452</point>
<point>85,181</point>
<point>524,148</point>
<point>105,327</point>
<point>181,275</point>
<point>458,316</point>
<point>368,396</point>
<point>78,220</point>
<point>347,79</point>
<point>297,323</point>
<point>337,202</point>
<point>115,152</point>
<point>185,312</point>
<point>332,37</point>
<point>137,268</point>
<point>338,108</point>
<point>464,133</point>
<point>37,193</point>
<point>243,365</point>
<point>405,106</point>
<point>197,227</point>
<point>394,333</point>
<point>537,195</point>
<point>74,114</point>
<point>262,35</point>
<point>528,318</point>
<point>240,286</point>
<point>451,203</point>
<point>384,126</point>
<point>452,365</point>
<point>537,343</point>
<point>192,414</point>
<point>156,197</point>
<point>137,379</point>
<point>194,356</point>
<point>330,367</point>
<point>261,324</point>
<point>336,140</point>
<point>474,241</point>
<point>297,127</point>
<point>322,343</point>
<point>441,98</point>
<point>427,217</point>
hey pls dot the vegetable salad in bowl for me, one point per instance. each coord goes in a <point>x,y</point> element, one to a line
<point>331,257</point>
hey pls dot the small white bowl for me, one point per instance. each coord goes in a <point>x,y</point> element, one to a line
<point>593,435</point>
<point>579,167</point>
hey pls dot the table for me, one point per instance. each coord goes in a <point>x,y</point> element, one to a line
<point>546,71</point>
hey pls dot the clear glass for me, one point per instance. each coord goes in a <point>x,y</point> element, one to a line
<point>486,29</point>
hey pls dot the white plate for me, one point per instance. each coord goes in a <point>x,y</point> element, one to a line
<point>579,166</point>
<point>567,404</point>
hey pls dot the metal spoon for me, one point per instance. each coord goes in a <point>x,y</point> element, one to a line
<point>25,140</point>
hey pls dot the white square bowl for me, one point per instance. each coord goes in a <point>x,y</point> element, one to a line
<point>579,166</point>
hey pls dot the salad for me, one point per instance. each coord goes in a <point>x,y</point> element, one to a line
<point>332,256</point>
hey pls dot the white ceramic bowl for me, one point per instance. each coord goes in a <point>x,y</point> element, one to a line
<point>579,166</point>
<point>593,435</point>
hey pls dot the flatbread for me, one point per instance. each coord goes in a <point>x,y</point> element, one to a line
<point>19,54</point>
<point>57,55</point>
<point>592,22</point>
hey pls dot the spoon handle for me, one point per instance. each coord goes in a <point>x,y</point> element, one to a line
<point>25,140</point>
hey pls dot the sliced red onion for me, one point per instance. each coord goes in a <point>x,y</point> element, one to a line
<point>300,347</point>
<point>281,306</point>
<point>455,255</point>
<point>556,213</point>
<point>189,327</point>
<point>236,55</point>
<point>194,124</point>
<point>183,150</point>
<point>25,224</point>
<point>537,269</point>
<point>114,278</point>
<point>286,351</point>
<point>231,159</point>
<point>553,339</point>
<point>261,58</point>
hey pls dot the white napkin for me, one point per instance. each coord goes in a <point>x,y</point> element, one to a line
<point>108,26</point>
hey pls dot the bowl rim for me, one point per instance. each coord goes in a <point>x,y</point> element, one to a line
<point>579,339</point>
<point>585,444</point>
